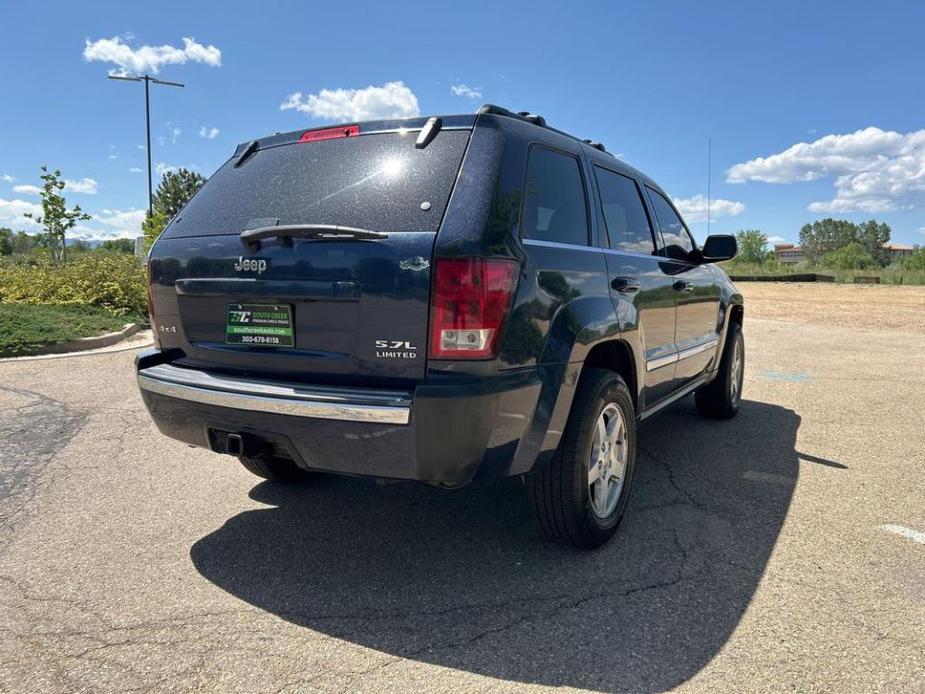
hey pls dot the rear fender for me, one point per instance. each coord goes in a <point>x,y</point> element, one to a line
<point>575,330</point>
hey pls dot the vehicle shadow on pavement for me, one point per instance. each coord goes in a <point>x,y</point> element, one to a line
<point>461,579</point>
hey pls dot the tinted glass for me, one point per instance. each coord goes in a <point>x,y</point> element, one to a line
<point>673,231</point>
<point>376,182</point>
<point>554,199</point>
<point>624,213</point>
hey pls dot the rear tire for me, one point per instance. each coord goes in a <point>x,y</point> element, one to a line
<point>720,399</point>
<point>272,468</point>
<point>581,497</point>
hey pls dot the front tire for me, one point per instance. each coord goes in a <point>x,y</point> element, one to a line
<point>581,497</point>
<point>720,399</point>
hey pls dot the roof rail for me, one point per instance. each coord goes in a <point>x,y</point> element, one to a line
<point>522,115</point>
<point>596,145</point>
<point>536,120</point>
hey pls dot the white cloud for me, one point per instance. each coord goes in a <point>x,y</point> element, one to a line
<point>12,211</point>
<point>87,186</point>
<point>695,209</point>
<point>773,240</point>
<point>921,230</point>
<point>113,156</point>
<point>874,170</point>
<point>161,168</point>
<point>391,100</point>
<point>141,147</point>
<point>27,190</point>
<point>175,133</point>
<point>467,91</point>
<point>8,178</point>
<point>208,133</point>
<point>125,223</point>
<point>149,58</point>
<point>134,169</point>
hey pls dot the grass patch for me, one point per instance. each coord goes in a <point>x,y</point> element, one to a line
<point>887,275</point>
<point>26,327</point>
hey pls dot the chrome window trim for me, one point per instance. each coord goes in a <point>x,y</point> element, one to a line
<point>276,397</point>
<point>559,244</point>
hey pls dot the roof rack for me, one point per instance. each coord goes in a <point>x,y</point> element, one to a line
<point>523,115</point>
<point>536,120</point>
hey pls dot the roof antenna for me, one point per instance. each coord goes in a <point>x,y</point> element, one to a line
<point>709,171</point>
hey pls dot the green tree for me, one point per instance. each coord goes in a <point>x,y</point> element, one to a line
<point>753,245</point>
<point>6,241</point>
<point>825,236</point>
<point>852,256</point>
<point>56,218</point>
<point>118,246</point>
<point>152,227</point>
<point>175,190</point>
<point>916,261</point>
<point>872,236</point>
<point>828,235</point>
<point>23,243</point>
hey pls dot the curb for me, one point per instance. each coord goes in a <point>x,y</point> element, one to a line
<point>85,343</point>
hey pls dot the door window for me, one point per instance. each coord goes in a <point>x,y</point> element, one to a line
<point>674,232</point>
<point>628,225</point>
<point>554,199</point>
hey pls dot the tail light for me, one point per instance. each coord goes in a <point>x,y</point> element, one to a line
<point>471,300</point>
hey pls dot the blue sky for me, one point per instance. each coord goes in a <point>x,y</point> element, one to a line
<point>652,80</point>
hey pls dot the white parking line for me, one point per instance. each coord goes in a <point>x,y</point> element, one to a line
<point>909,533</point>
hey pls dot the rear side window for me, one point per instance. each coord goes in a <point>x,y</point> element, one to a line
<point>554,199</point>
<point>628,225</point>
<point>378,182</point>
<point>674,232</point>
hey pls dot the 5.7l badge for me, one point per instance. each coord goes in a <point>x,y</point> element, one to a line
<point>395,349</point>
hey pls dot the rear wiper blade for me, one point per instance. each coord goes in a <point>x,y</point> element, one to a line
<point>251,238</point>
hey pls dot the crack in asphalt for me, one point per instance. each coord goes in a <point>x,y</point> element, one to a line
<point>30,436</point>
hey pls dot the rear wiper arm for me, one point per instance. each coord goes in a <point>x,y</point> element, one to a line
<point>251,238</point>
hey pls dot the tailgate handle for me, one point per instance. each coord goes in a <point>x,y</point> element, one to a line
<point>251,238</point>
<point>306,290</point>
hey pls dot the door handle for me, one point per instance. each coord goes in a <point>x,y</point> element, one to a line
<point>625,284</point>
<point>683,286</point>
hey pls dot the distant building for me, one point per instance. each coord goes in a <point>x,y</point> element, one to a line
<point>788,254</point>
<point>898,250</point>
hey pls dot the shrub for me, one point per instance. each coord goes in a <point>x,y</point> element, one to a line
<point>914,262</point>
<point>112,281</point>
<point>852,256</point>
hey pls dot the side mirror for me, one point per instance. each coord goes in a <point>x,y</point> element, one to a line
<point>719,247</point>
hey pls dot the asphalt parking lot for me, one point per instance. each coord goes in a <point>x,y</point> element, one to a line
<point>754,557</point>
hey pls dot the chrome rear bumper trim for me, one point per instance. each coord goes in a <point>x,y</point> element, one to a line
<point>277,397</point>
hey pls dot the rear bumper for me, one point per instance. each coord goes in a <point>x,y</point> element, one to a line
<point>443,432</point>
<point>273,397</point>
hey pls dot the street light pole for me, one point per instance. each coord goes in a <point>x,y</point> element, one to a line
<point>147,79</point>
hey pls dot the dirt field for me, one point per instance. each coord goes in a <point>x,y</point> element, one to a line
<point>863,307</point>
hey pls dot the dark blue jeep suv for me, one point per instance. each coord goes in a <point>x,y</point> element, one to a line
<point>438,299</point>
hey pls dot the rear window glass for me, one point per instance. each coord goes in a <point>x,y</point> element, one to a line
<point>554,199</point>
<point>376,182</point>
